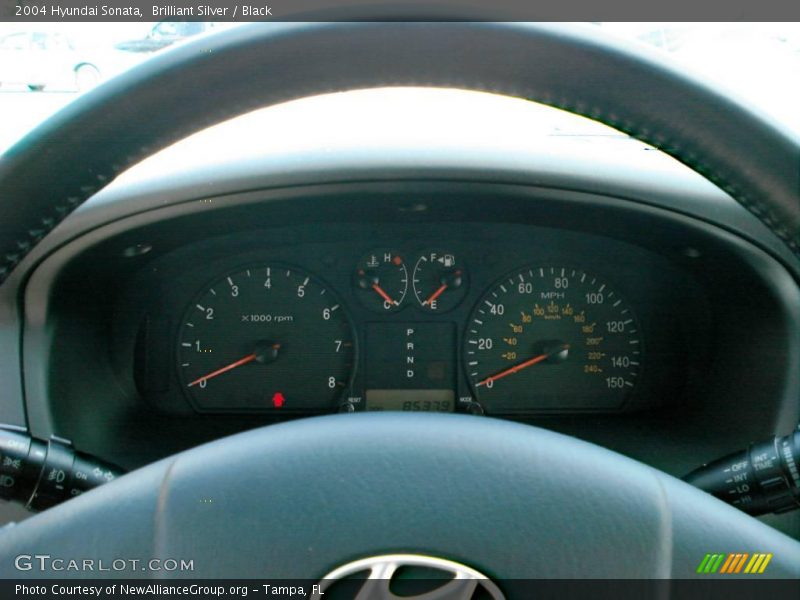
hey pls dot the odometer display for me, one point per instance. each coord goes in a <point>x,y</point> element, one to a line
<point>552,338</point>
<point>265,338</point>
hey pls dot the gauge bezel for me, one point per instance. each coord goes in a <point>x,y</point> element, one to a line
<point>602,278</point>
<point>288,412</point>
<point>361,294</point>
<point>462,291</point>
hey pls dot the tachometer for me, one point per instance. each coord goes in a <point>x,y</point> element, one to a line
<point>265,338</point>
<point>547,338</point>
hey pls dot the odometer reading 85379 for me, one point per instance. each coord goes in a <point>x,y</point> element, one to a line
<point>547,338</point>
<point>265,338</point>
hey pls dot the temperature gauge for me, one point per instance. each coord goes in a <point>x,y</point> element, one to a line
<point>439,280</point>
<point>381,280</point>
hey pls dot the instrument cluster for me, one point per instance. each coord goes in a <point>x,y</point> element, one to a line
<point>477,325</point>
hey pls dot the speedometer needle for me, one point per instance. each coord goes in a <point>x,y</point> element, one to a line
<point>242,361</point>
<point>523,365</point>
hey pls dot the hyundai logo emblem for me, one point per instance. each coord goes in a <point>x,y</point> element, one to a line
<point>460,582</point>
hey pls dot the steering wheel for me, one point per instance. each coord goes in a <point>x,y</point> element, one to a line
<point>302,498</point>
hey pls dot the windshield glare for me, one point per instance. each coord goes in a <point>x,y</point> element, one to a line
<point>44,66</point>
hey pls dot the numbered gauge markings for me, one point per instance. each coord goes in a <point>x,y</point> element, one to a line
<point>265,338</point>
<point>547,338</point>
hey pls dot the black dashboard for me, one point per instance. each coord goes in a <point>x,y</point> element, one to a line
<point>635,327</point>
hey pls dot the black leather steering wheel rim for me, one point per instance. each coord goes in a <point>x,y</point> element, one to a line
<point>296,500</point>
<point>81,149</point>
<point>151,512</point>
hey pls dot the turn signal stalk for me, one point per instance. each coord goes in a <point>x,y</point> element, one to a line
<point>41,474</point>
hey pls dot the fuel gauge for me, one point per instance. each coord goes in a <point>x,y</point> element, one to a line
<point>440,280</point>
<point>381,280</point>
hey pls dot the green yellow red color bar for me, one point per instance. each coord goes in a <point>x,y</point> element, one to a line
<point>734,563</point>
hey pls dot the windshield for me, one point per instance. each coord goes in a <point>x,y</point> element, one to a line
<point>44,66</point>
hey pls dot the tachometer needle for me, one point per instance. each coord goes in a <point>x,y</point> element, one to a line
<point>242,361</point>
<point>265,352</point>
<point>435,294</point>
<point>383,294</point>
<point>523,365</point>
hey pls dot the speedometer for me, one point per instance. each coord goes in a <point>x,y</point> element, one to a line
<point>552,338</point>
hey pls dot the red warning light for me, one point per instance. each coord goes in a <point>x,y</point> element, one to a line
<point>397,261</point>
<point>278,400</point>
